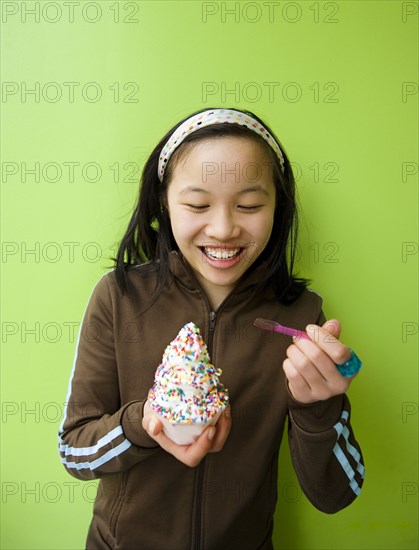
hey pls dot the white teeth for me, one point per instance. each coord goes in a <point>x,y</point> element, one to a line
<point>221,253</point>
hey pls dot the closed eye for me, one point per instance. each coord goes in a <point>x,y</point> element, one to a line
<point>197,207</point>
<point>250,208</point>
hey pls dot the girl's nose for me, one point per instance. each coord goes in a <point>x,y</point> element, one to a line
<point>222,226</point>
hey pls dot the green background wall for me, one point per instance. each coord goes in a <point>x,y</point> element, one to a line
<point>338,83</point>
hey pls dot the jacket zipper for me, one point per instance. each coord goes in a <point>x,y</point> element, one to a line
<point>201,467</point>
<point>212,319</point>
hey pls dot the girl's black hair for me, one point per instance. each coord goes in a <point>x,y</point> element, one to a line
<point>149,234</point>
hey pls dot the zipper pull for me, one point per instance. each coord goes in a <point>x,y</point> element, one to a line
<point>212,318</point>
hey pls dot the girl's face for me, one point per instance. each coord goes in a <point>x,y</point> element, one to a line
<point>221,202</point>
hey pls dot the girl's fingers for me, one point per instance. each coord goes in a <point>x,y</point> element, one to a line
<point>313,364</point>
<point>311,373</point>
<point>307,368</point>
<point>338,352</point>
<point>191,455</point>
<point>152,424</point>
<point>223,427</point>
<point>333,326</point>
<point>212,438</point>
<point>297,383</point>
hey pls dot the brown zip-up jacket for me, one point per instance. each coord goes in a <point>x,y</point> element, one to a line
<point>147,499</point>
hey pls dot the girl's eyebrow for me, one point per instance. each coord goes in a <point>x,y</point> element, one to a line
<point>253,189</point>
<point>191,189</point>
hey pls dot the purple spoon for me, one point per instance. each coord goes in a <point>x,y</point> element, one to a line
<point>272,326</point>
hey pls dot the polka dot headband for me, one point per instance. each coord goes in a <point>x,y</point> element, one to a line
<point>214,116</point>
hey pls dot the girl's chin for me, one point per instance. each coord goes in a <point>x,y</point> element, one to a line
<point>225,274</point>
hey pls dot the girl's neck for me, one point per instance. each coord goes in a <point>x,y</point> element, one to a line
<point>215,294</point>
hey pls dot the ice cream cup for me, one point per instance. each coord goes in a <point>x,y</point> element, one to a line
<point>186,434</point>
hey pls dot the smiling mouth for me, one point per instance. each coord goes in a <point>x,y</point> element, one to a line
<point>221,253</point>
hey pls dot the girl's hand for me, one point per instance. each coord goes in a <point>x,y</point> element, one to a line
<point>310,366</point>
<point>211,440</point>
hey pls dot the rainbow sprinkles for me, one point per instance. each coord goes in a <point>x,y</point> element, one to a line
<point>186,387</point>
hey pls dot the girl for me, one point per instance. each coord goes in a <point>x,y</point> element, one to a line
<point>211,241</point>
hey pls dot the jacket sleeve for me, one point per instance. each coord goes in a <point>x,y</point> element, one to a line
<point>324,452</point>
<point>98,434</point>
